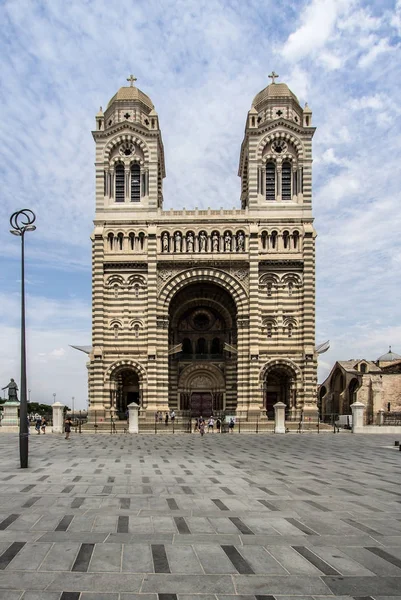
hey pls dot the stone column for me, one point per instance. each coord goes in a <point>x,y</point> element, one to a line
<point>133,409</point>
<point>380,417</point>
<point>279,417</point>
<point>358,409</point>
<point>58,423</point>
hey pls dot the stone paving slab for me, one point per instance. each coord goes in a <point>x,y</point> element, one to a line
<point>101,517</point>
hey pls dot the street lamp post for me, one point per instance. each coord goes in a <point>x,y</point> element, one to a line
<point>73,398</point>
<point>54,398</point>
<point>22,221</point>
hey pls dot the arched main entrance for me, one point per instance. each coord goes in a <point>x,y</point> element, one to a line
<point>203,376</point>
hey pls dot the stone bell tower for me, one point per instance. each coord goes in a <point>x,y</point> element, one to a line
<point>129,179</point>
<point>276,188</point>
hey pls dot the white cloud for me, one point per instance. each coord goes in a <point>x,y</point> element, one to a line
<point>318,22</point>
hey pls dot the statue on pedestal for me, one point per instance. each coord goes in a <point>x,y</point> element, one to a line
<point>12,391</point>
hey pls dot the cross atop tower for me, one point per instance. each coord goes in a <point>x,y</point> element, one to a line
<point>131,79</point>
<point>273,75</point>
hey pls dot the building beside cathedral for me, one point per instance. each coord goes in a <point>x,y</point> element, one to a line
<point>377,384</point>
<point>204,311</point>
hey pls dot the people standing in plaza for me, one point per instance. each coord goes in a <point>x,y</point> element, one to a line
<point>231,425</point>
<point>67,427</point>
<point>218,425</point>
<point>202,427</point>
<point>160,416</point>
<point>166,419</point>
<point>43,425</point>
<point>172,416</point>
<point>210,425</point>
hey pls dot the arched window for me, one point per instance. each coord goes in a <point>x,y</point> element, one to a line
<point>136,330</point>
<point>295,238</point>
<point>136,182</point>
<point>216,346</point>
<point>132,240</point>
<point>264,240</point>
<point>120,183</point>
<point>201,346</point>
<point>363,368</point>
<point>286,181</point>
<point>290,288</point>
<point>286,240</point>
<point>110,238</point>
<point>120,240</point>
<point>269,288</point>
<point>186,346</point>
<point>269,330</point>
<point>141,239</point>
<point>290,329</point>
<point>270,181</point>
<point>273,240</point>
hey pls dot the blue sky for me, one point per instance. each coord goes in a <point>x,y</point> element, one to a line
<point>201,62</point>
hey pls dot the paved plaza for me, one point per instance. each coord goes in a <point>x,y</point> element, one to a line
<point>132,517</point>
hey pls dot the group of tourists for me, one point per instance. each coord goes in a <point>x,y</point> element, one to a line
<point>40,425</point>
<point>169,416</point>
<point>201,425</point>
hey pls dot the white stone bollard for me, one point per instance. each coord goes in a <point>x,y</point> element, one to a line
<point>358,409</point>
<point>381,416</point>
<point>133,409</point>
<point>279,417</point>
<point>58,417</point>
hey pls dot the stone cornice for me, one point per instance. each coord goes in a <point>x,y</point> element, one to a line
<point>282,264</point>
<point>120,266</point>
<point>119,127</point>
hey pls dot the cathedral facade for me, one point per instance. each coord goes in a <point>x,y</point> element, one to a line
<point>204,311</point>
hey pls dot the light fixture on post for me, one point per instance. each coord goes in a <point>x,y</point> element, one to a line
<point>21,222</point>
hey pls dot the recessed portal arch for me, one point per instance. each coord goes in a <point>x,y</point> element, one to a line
<point>279,382</point>
<point>203,376</point>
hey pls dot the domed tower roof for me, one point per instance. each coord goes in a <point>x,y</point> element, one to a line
<point>273,90</point>
<point>131,93</point>
<point>389,356</point>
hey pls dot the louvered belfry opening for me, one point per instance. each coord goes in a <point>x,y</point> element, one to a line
<point>286,181</point>
<point>120,187</point>
<point>135,183</point>
<point>270,181</point>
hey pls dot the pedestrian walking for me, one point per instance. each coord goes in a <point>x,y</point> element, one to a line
<point>166,419</point>
<point>160,416</point>
<point>231,425</point>
<point>38,424</point>
<point>218,425</point>
<point>210,425</point>
<point>67,427</point>
<point>202,428</point>
<point>43,425</point>
<point>172,416</point>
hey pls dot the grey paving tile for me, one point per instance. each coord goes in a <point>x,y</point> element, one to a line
<point>185,584</point>
<point>363,586</point>
<point>213,559</point>
<point>61,557</point>
<point>96,582</point>
<point>280,585</point>
<point>106,558</point>
<point>182,559</point>
<point>137,558</point>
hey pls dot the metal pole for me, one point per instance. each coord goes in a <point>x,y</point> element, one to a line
<point>22,221</point>
<point>23,414</point>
